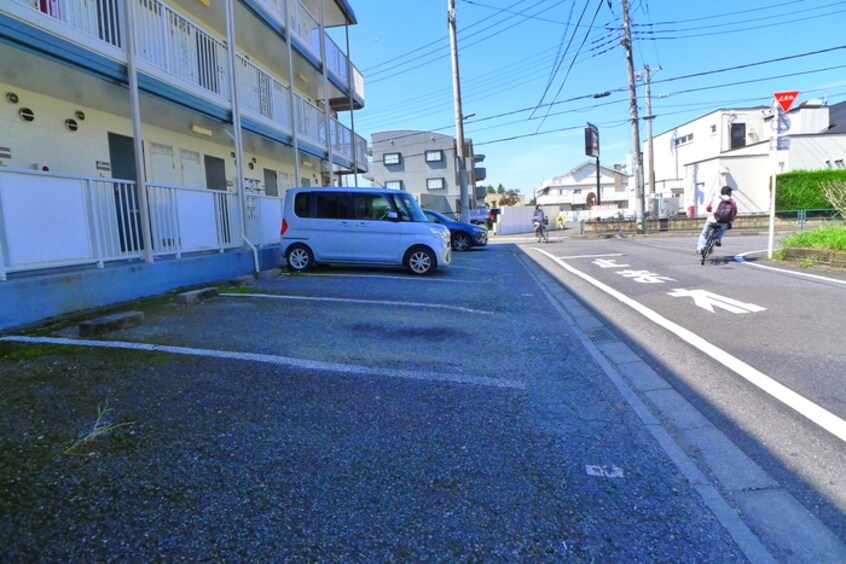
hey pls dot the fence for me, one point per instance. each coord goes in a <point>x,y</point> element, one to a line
<point>49,220</point>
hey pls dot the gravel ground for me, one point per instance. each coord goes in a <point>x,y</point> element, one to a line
<point>215,459</point>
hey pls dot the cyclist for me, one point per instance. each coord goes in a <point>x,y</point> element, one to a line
<point>723,214</point>
<point>539,221</point>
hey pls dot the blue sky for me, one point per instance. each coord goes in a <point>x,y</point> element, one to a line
<point>529,69</point>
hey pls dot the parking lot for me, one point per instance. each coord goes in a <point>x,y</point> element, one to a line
<point>343,414</point>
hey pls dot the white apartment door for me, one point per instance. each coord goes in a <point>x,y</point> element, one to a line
<point>162,198</point>
<point>193,171</point>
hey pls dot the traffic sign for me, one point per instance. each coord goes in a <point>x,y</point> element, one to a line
<point>785,99</point>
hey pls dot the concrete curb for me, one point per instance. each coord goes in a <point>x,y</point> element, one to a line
<point>194,296</point>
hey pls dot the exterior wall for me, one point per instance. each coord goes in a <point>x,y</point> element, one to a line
<point>33,299</point>
<point>47,142</point>
<point>811,152</point>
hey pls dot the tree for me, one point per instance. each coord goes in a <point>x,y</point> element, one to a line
<point>491,189</point>
<point>500,189</point>
<point>835,193</point>
<point>510,197</point>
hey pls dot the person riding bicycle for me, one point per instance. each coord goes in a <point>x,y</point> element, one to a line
<point>539,222</point>
<point>722,214</point>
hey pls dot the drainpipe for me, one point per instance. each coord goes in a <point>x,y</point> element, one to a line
<point>351,91</point>
<point>326,117</point>
<point>236,128</point>
<point>293,105</point>
<point>135,103</point>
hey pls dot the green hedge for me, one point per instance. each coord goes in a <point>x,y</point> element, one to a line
<point>802,189</point>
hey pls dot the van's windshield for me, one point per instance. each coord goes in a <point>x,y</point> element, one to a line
<point>408,208</point>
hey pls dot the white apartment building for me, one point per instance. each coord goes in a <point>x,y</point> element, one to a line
<point>147,144</point>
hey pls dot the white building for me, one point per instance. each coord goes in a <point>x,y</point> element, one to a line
<point>732,147</point>
<point>576,192</point>
<point>695,159</point>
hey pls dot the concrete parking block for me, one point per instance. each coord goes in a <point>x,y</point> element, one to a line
<point>245,280</point>
<point>194,296</point>
<point>266,274</point>
<point>92,327</point>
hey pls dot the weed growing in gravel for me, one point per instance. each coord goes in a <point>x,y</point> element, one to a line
<point>101,428</point>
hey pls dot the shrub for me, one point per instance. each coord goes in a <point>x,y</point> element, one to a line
<point>833,238</point>
<point>803,189</point>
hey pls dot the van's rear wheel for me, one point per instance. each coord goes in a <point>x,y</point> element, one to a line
<point>299,258</point>
<point>420,260</point>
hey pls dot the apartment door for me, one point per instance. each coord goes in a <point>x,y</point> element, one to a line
<point>161,197</point>
<point>216,180</point>
<point>192,169</point>
<point>127,207</point>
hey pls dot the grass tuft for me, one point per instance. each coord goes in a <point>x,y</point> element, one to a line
<point>101,428</point>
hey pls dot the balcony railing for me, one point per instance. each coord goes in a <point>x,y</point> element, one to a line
<point>99,220</point>
<point>169,44</point>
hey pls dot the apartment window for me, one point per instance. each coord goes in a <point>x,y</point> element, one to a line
<point>435,156</point>
<point>435,183</point>
<point>684,139</point>
<point>713,129</point>
<point>577,191</point>
<point>396,184</point>
<point>392,158</point>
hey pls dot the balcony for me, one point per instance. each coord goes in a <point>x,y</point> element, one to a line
<point>174,50</point>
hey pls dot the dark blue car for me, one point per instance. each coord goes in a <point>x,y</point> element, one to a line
<point>463,235</point>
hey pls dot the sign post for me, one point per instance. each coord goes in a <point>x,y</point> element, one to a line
<point>782,101</point>
<point>592,150</point>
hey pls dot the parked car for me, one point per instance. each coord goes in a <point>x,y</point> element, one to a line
<point>463,235</point>
<point>360,226</point>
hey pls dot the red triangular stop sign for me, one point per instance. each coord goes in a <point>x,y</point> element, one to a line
<point>785,99</point>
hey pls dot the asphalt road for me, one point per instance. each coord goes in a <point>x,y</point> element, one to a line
<point>755,345</point>
<point>368,415</point>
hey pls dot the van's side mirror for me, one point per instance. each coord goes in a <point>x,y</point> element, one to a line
<point>393,216</point>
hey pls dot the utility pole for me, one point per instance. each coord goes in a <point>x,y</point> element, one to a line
<point>459,116</point>
<point>637,156</point>
<point>649,117</point>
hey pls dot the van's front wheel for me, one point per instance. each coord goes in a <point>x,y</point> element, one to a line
<point>420,260</point>
<point>299,258</point>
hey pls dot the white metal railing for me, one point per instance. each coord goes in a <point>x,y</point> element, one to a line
<point>309,120</point>
<point>49,220</point>
<point>276,8</point>
<point>175,45</point>
<point>101,22</point>
<point>306,27</point>
<point>262,94</point>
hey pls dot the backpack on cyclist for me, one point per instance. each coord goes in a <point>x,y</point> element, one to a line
<point>724,212</point>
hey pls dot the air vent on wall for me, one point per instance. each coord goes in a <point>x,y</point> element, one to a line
<point>26,114</point>
<point>71,124</point>
<point>80,115</point>
<point>12,97</point>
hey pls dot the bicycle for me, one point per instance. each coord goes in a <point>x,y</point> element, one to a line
<point>713,231</point>
<point>540,231</point>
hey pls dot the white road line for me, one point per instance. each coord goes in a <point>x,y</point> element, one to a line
<point>590,256</point>
<point>352,369</point>
<point>365,302</point>
<point>391,277</point>
<point>741,258</point>
<point>822,417</point>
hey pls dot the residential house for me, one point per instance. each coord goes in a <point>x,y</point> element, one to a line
<point>582,196</point>
<point>147,144</point>
<point>425,164</point>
